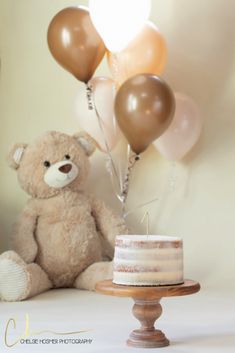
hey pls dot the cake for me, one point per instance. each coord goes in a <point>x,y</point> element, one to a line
<point>148,260</point>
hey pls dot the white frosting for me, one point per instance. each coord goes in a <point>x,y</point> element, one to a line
<point>144,253</point>
<point>161,265</point>
<point>148,238</point>
<point>147,278</point>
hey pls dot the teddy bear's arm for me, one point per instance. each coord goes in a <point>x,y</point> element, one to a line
<point>109,224</point>
<point>23,241</point>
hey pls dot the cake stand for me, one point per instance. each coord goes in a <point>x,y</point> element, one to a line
<point>147,308</point>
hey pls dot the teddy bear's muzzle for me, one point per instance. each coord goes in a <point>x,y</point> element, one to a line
<point>61,174</point>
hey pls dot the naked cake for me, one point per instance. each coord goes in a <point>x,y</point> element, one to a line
<point>148,260</point>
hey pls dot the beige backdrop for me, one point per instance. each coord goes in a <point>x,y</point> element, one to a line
<point>37,95</point>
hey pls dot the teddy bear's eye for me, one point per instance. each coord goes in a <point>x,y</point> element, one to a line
<point>47,164</point>
<point>67,156</point>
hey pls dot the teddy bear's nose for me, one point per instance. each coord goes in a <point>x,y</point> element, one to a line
<point>65,168</point>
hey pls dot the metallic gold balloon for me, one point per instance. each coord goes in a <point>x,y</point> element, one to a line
<point>144,108</point>
<point>75,43</point>
<point>147,53</point>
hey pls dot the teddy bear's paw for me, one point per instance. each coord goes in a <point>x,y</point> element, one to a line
<point>93,274</point>
<point>14,279</point>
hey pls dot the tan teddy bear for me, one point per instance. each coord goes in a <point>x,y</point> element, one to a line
<point>64,237</point>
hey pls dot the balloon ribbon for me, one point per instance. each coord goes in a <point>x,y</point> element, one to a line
<point>133,158</point>
<point>89,96</point>
<point>92,105</point>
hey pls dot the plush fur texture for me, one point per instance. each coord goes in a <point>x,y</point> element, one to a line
<point>64,237</point>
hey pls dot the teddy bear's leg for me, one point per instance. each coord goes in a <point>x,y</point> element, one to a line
<point>96,272</point>
<point>19,280</point>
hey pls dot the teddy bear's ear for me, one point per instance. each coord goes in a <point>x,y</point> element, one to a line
<point>15,155</point>
<point>86,142</point>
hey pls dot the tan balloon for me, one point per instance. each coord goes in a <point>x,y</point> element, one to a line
<point>75,43</point>
<point>147,53</point>
<point>144,108</point>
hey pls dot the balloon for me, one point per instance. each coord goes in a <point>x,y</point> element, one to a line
<point>145,54</point>
<point>119,21</point>
<point>74,42</point>
<point>183,132</point>
<point>144,108</point>
<point>103,94</point>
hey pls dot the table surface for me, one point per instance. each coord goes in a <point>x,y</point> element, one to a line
<point>199,323</point>
<point>147,292</point>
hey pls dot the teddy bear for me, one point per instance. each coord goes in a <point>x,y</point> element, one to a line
<point>64,237</point>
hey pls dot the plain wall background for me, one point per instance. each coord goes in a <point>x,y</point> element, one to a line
<point>37,95</point>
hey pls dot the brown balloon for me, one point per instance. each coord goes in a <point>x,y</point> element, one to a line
<point>144,108</point>
<point>75,43</point>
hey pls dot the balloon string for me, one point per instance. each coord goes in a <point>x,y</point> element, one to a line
<point>113,171</point>
<point>172,176</point>
<point>125,189</point>
<point>115,66</point>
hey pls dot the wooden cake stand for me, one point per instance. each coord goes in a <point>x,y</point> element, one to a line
<point>147,308</point>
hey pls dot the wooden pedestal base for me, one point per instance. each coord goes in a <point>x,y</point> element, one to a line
<point>147,308</point>
<point>147,312</point>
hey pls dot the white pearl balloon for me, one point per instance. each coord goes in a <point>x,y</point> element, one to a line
<point>184,131</point>
<point>103,94</point>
